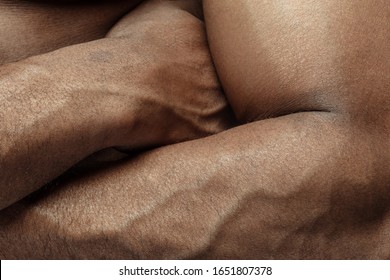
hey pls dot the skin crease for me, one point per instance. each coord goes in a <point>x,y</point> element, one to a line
<point>298,185</point>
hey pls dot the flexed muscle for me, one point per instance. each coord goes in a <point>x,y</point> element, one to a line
<point>307,178</point>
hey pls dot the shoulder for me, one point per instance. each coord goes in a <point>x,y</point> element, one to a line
<point>275,59</point>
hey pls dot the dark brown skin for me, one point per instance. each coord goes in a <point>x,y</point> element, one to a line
<point>132,91</point>
<point>311,182</point>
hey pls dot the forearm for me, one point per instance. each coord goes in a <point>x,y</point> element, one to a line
<point>291,187</point>
<point>49,121</point>
<point>60,107</point>
<point>117,91</point>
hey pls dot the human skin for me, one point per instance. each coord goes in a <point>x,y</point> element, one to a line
<point>60,107</point>
<point>30,28</point>
<point>306,182</point>
<point>33,27</point>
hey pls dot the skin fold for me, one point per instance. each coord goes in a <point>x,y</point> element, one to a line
<point>306,176</point>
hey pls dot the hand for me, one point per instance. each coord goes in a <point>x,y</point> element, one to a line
<point>134,92</point>
<point>181,97</point>
<point>155,71</point>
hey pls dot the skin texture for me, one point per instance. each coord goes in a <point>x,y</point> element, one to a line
<point>106,93</point>
<point>308,56</point>
<point>28,28</point>
<point>309,178</point>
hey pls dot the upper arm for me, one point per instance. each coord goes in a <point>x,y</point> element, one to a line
<point>281,57</point>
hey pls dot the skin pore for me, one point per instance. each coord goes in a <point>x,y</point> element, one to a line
<point>305,180</point>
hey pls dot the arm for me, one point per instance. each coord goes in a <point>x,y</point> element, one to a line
<point>33,27</point>
<point>60,107</point>
<point>298,186</point>
<point>280,57</point>
<point>304,185</point>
